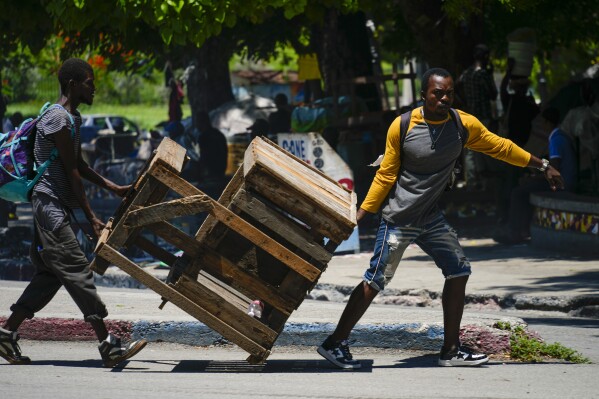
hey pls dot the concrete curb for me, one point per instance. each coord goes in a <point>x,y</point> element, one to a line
<point>407,336</point>
<point>573,305</point>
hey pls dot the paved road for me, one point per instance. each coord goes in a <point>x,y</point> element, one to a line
<point>72,370</point>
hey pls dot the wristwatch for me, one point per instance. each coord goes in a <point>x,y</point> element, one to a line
<point>545,165</point>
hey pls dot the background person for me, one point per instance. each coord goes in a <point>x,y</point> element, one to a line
<point>478,92</point>
<point>280,120</point>
<point>562,157</point>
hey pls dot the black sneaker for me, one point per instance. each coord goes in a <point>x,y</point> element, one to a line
<point>462,357</point>
<point>114,352</point>
<point>338,353</point>
<point>9,349</point>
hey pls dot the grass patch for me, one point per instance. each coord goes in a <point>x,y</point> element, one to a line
<point>527,347</point>
<point>145,115</point>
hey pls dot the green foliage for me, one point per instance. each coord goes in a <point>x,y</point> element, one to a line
<point>529,348</point>
<point>503,325</point>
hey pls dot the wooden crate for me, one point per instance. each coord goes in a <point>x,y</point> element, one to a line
<point>269,237</point>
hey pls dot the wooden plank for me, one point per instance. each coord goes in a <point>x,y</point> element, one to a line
<point>183,302</point>
<point>174,182</point>
<point>234,296</point>
<point>281,225</point>
<point>169,155</point>
<point>263,241</point>
<point>270,188</point>
<point>176,237</point>
<point>314,185</point>
<point>216,301</point>
<point>157,252</point>
<point>120,234</point>
<point>327,196</point>
<point>168,210</point>
<point>249,284</point>
<point>266,144</point>
<point>99,265</point>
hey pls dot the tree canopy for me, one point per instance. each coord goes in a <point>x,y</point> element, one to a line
<point>439,32</point>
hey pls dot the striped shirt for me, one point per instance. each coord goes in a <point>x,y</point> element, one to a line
<point>55,182</point>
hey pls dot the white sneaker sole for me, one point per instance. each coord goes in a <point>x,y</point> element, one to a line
<point>324,353</point>
<point>462,363</point>
<point>134,350</point>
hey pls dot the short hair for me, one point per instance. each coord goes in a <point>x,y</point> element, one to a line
<point>444,73</point>
<point>551,114</point>
<point>75,69</point>
<point>480,51</point>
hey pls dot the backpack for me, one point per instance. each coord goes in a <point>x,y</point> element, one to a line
<point>455,117</point>
<point>18,170</point>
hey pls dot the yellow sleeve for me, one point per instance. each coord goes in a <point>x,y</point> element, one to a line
<point>387,174</point>
<point>482,140</point>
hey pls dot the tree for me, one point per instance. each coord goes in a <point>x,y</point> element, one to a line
<point>31,31</point>
<point>443,33</point>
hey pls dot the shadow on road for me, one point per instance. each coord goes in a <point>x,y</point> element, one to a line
<point>561,322</point>
<point>584,282</point>
<point>271,366</point>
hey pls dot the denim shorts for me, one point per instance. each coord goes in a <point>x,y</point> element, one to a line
<point>437,238</point>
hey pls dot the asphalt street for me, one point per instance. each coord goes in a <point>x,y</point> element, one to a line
<point>71,370</point>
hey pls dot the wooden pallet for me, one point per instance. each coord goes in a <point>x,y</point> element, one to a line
<point>269,236</point>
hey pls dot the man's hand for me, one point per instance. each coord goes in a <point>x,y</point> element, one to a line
<point>121,190</point>
<point>361,214</point>
<point>554,178</point>
<point>97,226</point>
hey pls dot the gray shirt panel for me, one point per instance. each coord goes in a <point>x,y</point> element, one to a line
<point>423,174</point>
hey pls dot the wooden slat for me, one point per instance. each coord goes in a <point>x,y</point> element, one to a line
<point>175,182</point>
<point>216,300</point>
<point>263,142</point>
<point>156,251</point>
<point>271,189</point>
<point>249,284</point>
<point>176,237</point>
<point>181,301</point>
<point>170,155</point>
<point>314,185</point>
<point>281,225</point>
<point>120,234</point>
<point>263,241</point>
<point>301,181</point>
<point>100,265</point>
<point>168,210</point>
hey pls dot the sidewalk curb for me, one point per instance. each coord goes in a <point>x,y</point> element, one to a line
<point>407,336</point>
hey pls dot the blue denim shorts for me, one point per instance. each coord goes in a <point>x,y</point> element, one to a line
<point>438,239</point>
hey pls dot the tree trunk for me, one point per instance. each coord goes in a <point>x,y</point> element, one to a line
<point>209,84</point>
<point>343,50</point>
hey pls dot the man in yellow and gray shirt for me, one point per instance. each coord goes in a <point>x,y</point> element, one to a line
<point>406,189</point>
